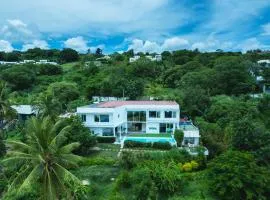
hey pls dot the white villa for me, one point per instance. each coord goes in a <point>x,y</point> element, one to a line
<point>121,118</point>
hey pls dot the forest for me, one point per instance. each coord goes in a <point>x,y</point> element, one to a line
<point>48,157</point>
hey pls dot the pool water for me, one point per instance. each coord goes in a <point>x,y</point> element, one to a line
<point>151,139</point>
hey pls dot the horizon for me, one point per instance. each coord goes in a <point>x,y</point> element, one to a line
<point>144,26</point>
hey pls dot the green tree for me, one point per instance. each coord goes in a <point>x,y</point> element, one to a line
<point>44,159</point>
<point>69,55</point>
<point>179,136</point>
<point>232,76</point>
<point>19,77</point>
<point>63,92</point>
<point>235,175</point>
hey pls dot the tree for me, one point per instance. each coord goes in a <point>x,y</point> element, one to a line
<point>19,77</point>
<point>47,105</point>
<point>235,175</point>
<point>232,76</point>
<point>83,135</point>
<point>50,69</point>
<point>6,112</point>
<point>247,135</point>
<point>179,136</point>
<point>63,92</point>
<point>98,52</point>
<point>45,160</point>
<point>69,55</point>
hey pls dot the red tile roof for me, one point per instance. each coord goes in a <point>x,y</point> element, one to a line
<point>113,104</point>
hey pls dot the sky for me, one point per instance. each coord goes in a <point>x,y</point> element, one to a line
<point>141,25</point>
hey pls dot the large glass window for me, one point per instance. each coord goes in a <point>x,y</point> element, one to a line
<point>102,118</point>
<point>154,114</point>
<point>170,114</point>
<point>83,117</point>
<point>107,132</point>
<point>136,116</point>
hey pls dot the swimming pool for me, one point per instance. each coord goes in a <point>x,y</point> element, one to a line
<point>151,139</point>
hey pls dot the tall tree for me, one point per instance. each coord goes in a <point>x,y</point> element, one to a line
<point>44,160</point>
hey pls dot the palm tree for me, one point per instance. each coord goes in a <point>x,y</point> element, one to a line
<point>48,106</point>
<point>44,159</point>
<point>6,112</point>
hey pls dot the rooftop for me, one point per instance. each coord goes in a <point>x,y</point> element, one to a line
<point>114,104</point>
<point>24,109</point>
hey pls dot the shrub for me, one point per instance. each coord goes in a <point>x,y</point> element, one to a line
<point>162,145</point>
<point>179,136</point>
<point>187,167</point>
<point>194,164</point>
<point>2,148</point>
<point>132,144</point>
<point>48,69</point>
<point>106,139</point>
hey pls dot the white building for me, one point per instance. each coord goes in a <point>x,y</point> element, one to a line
<point>118,117</point>
<point>121,118</point>
<point>42,62</point>
<point>134,58</point>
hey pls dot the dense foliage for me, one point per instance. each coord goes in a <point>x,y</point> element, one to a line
<point>215,89</point>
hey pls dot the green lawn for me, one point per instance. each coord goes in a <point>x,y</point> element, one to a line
<point>150,135</point>
<point>68,66</point>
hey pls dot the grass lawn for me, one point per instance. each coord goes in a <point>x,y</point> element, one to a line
<point>68,66</point>
<point>150,135</point>
<point>108,146</point>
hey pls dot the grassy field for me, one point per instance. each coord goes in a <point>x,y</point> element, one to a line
<point>150,135</point>
<point>68,66</point>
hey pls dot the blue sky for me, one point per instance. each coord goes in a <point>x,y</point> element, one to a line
<point>142,25</point>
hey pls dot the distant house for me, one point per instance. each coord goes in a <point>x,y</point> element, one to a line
<point>24,111</point>
<point>134,58</point>
<point>265,63</point>
<point>98,99</point>
<point>156,58</point>
<point>43,62</point>
<point>8,63</point>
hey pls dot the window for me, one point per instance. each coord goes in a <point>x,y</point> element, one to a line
<point>170,114</point>
<point>107,132</point>
<point>136,116</point>
<point>83,117</point>
<point>154,114</point>
<point>102,118</point>
<point>189,140</point>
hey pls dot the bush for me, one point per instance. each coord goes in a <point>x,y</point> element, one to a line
<point>2,148</point>
<point>155,145</point>
<point>50,69</point>
<point>132,144</point>
<point>179,136</point>
<point>106,139</point>
<point>194,165</point>
<point>187,167</point>
<point>162,145</point>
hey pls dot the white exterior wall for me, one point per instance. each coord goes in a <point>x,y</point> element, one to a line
<point>118,116</point>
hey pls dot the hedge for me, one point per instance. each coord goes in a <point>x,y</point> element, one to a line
<point>101,139</point>
<point>131,144</point>
<point>155,145</point>
<point>162,145</point>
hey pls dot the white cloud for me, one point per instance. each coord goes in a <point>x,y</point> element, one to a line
<point>77,43</point>
<point>175,43</point>
<point>80,44</point>
<point>5,46</point>
<point>266,29</point>
<point>211,43</point>
<point>169,44</point>
<point>250,44</point>
<point>16,30</point>
<point>103,16</point>
<point>36,44</point>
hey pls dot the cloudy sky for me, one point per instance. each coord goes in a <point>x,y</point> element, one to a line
<point>142,25</point>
